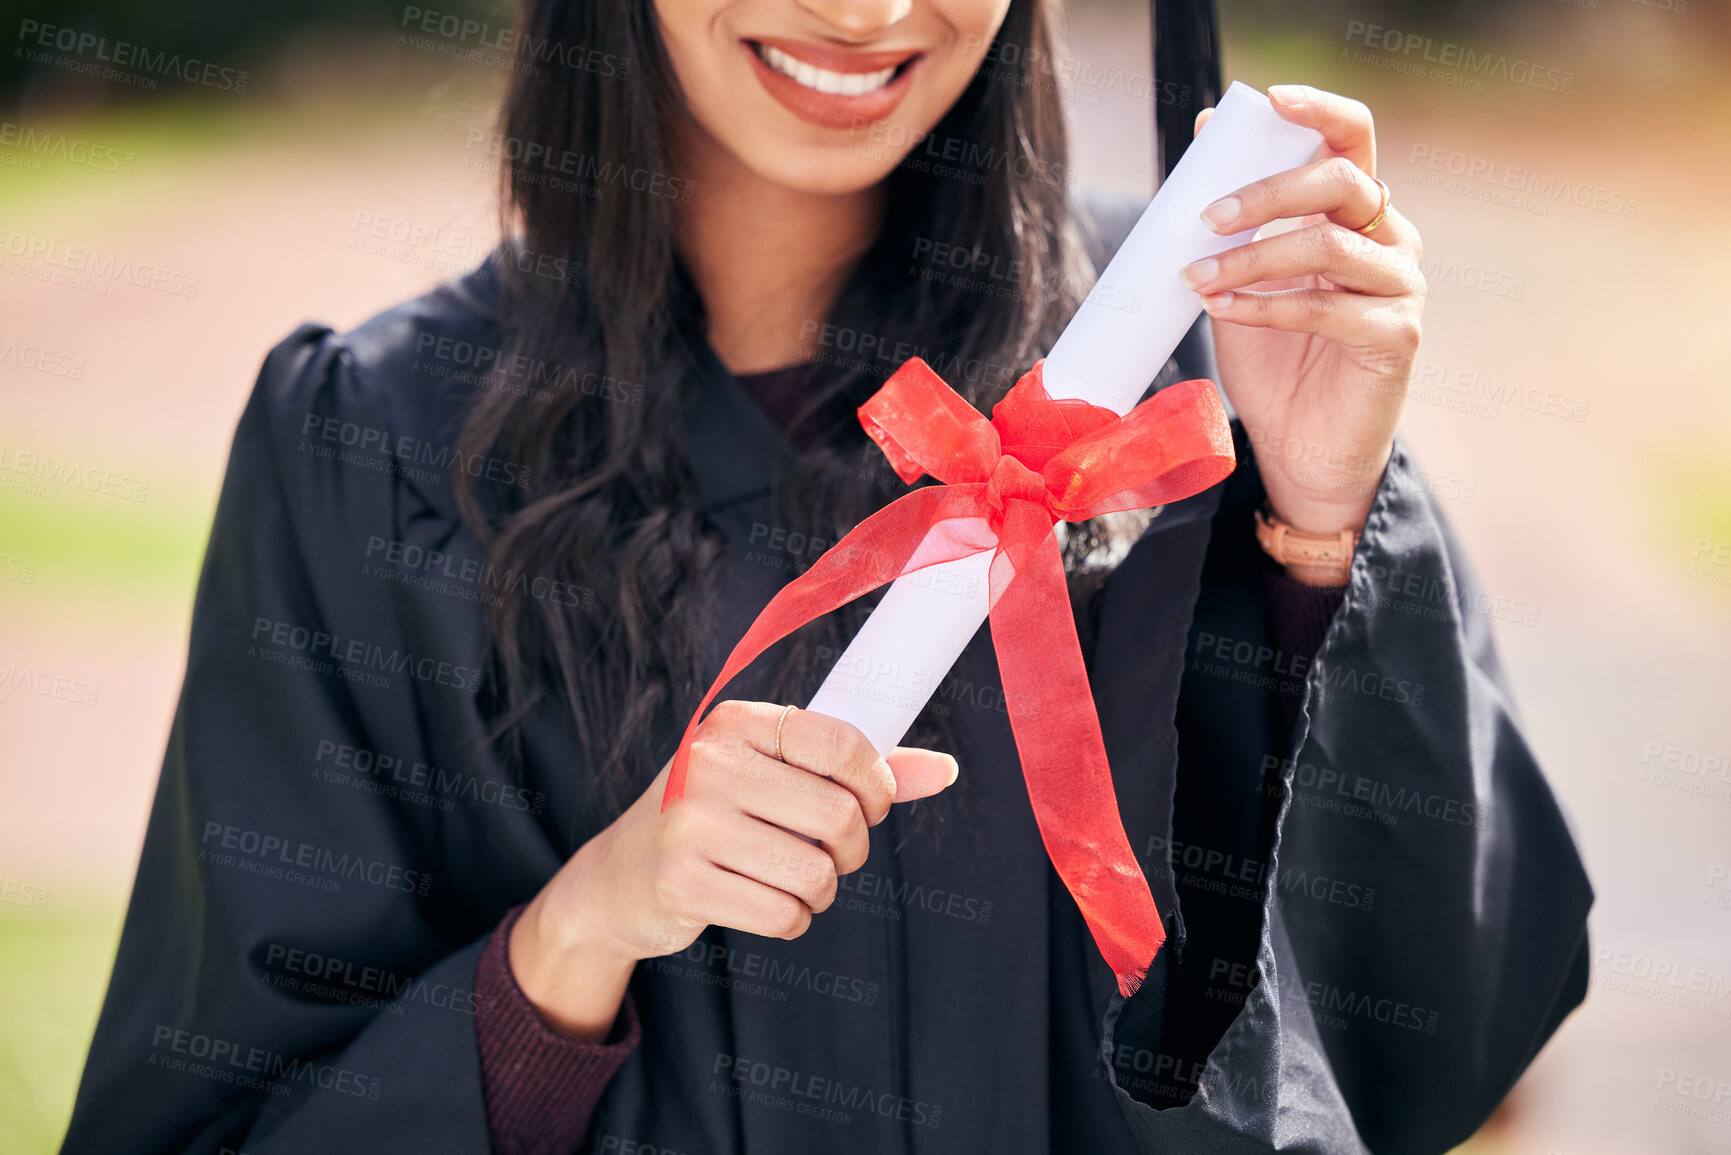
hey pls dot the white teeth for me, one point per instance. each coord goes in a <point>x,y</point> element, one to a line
<point>822,79</point>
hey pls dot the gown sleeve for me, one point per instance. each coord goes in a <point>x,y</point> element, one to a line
<point>1419,930</point>
<point>297,966</point>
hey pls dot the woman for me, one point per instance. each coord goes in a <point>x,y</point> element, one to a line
<point>408,884</point>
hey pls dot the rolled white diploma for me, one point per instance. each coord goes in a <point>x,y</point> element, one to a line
<point>1107,355</point>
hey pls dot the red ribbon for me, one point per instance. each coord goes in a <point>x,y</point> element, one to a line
<point>1007,482</point>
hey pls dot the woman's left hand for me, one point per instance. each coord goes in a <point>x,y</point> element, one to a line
<point>1316,329</point>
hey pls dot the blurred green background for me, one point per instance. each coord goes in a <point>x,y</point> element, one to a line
<point>1610,524</point>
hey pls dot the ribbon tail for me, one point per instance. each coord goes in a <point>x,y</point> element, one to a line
<point>897,539</point>
<point>1063,753</point>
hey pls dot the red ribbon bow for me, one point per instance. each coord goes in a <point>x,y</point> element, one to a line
<point>1007,482</point>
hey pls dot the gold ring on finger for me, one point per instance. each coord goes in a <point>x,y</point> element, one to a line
<point>779,722</point>
<point>1381,213</point>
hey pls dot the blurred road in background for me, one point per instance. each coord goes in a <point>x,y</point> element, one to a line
<point>1571,407</point>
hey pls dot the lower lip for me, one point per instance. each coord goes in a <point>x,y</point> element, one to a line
<point>829,109</point>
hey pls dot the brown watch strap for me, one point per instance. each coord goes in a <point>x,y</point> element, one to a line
<point>1288,546</point>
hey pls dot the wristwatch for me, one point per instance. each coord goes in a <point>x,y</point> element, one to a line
<point>1328,555</point>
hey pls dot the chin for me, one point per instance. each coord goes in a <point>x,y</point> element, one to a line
<point>826,170</point>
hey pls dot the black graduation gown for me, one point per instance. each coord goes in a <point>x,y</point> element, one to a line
<point>1386,943</point>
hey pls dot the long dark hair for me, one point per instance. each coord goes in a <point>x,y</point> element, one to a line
<point>613,506</point>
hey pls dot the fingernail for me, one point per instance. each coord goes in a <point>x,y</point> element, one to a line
<point>955,772</point>
<point>1221,213</point>
<point>1214,301</point>
<point>1199,273</point>
<point>1291,95</point>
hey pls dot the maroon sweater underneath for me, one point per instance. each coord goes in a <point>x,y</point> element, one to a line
<point>541,1087</point>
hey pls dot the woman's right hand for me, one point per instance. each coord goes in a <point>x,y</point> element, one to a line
<point>756,845</point>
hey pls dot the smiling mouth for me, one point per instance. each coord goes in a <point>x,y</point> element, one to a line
<point>823,79</point>
<point>833,87</point>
